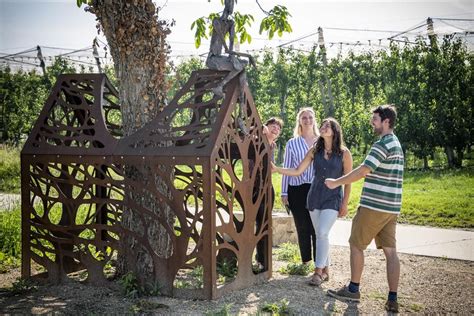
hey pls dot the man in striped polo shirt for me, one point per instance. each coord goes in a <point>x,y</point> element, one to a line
<point>379,206</point>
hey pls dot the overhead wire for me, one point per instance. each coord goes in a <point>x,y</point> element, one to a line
<point>359,30</point>
<point>75,51</point>
<point>22,62</point>
<point>298,39</point>
<point>409,30</point>
<point>450,19</point>
<point>23,52</point>
<point>457,27</point>
<point>10,57</point>
<point>58,48</point>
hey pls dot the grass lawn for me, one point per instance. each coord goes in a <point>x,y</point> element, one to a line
<point>442,198</point>
<point>439,198</point>
<point>433,198</point>
<point>9,169</point>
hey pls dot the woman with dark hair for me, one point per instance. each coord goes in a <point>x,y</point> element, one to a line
<point>330,159</point>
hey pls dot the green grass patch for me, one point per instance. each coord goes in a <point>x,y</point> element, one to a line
<point>414,307</point>
<point>277,308</point>
<point>10,232</point>
<point>22,286</point>
<point>10,239</point>
<point>10,170</point>
<point>439,198</point>
<point>223,311</point>
<point>288,252</point>
<point>146,307</point>
<point>296,268</point>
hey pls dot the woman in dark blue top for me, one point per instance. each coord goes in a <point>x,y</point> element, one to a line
<point>330,159</point>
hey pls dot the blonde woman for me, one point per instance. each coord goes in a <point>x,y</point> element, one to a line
<point>294,190</point>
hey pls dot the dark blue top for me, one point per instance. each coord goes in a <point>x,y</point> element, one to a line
<point>320,196</point>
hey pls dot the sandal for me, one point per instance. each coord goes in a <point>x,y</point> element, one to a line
<point>316,279</point>
<point>325,276</point>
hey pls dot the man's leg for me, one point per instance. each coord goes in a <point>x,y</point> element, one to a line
<point>393,276</point>
<point>357,264</point>
<point>386,240</point>
<point>393,268</point>
<point>351,292</point>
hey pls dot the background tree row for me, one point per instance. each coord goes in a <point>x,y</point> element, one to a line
<point>431,82</point>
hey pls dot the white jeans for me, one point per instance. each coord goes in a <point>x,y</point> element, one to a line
<point>323,220</point>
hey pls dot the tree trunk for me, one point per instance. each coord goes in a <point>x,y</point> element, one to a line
<point>425,162</point>
<point>450,156</point>
<point>137,44</point>
<point>459,157</point>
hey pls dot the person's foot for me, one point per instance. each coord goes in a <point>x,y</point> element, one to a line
<point>317,279</point>
<point>325,274</point>
<point>344,294</point>
<point>391,306</point>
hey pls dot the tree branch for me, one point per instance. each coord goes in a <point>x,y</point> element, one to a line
<point>266,12</point>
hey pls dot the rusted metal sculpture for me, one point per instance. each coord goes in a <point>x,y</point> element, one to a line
<point>75,185</point>
<point>222,27</point>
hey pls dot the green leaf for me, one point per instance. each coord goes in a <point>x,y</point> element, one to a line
<point>201,25</point>
<point>276,21</point>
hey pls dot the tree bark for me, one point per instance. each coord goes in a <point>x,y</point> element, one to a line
<point>425,162</point>
<point>450,156</point>
<point>459,157</point>
<point>137,42</point>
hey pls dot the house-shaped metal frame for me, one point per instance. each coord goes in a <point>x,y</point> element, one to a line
<point>197,174</point>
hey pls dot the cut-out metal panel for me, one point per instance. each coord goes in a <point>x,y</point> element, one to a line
<point>199,172</point>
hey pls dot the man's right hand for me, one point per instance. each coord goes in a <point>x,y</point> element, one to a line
<point>331,183</point>
<point>284,200</point>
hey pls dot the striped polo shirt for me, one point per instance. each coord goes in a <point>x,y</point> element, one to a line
<point>382,189</point>
<point>295,151</point>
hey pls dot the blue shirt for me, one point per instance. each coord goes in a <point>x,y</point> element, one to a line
<point>295,151</point>
<point>320,197</point>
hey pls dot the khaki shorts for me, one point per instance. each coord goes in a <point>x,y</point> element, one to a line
<point>368,224</point>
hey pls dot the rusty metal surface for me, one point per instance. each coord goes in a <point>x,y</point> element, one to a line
<point>193,160</point>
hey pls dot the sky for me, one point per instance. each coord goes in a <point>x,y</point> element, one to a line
<point>59,26</point>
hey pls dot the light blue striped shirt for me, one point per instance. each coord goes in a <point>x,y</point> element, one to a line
<point>295,151</point>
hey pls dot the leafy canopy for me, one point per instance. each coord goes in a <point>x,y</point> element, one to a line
<point>276,21</point>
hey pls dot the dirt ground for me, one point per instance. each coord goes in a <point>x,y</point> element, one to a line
<point>427,285</point>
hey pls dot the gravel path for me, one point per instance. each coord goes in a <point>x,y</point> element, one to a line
<point>427,285</point>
